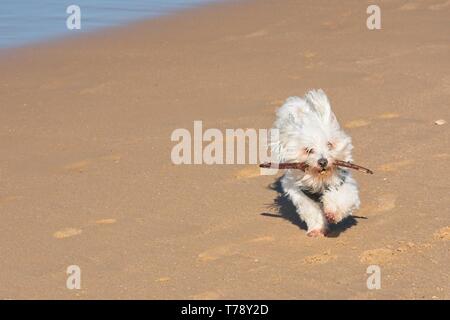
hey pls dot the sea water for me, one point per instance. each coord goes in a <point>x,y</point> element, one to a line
<point>28,21</point>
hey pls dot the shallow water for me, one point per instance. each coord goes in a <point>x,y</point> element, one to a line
<point>28,21</point>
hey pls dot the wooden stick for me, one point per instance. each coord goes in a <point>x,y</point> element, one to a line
<point>296,165</point>
<point>352,166</point>
<point>302,166</point>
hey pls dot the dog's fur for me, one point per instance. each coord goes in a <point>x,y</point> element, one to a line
<point>309,132</point>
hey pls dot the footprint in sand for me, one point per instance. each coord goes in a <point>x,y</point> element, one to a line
<point>232,249</point>
<point>383,203</point>
<point>389,253</point>
<point>376,78</point>
<point>386,202</point>
<point>103,88</point>
<point>389,115</point>
<point>50,85</point>
<point>439,6</point>
<point>259,33</point>
<point>441,156</point>
<point>377,256</point>
<point>331,25</point>
<point>67,233</point>
<point>8,199</point>
<point>106,221</point>
<point>208,295</point>
<point>443,234</point>
<point>79,166</point>
<point>82,165</point>
<point>251,172</point>
<point>357,123</point>
<point>409,6</point>
<point>336,24</point>
<point>320,258</point>
<point>70,232</point>
<point>312,65</point>
<point>112,157</point>
<point>309,54</point>
<point>256,34</point>
<point>394,166</point>
<point>217,253</point>
<point>263,239</point>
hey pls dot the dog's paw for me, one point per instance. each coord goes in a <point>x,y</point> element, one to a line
<point>314,233</point>
<point>333,217</point>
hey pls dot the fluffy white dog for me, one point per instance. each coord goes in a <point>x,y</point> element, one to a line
<point>309,132</point>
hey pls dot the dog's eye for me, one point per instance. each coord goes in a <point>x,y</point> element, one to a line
<point>309,150</point>
<point>330,145</point>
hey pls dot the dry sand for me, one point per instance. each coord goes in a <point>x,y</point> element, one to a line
<point>86,176</point>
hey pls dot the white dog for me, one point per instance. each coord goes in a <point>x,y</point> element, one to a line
<point>309,132</point>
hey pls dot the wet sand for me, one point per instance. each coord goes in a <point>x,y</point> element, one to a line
<point>86,177</point>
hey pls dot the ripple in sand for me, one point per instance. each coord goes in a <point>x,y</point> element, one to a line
<point>79,166</point>
<point>443,234</point>
<point>106,221</point>
<point>393,166</point>
<point>357,123</point>
<point>388,115</point>
<point>66,233</point>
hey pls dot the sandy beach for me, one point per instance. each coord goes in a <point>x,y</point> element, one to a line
<point>86,176</point>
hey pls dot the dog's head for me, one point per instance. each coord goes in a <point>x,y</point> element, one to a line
<point>313,136</point>
<point>321,143</point>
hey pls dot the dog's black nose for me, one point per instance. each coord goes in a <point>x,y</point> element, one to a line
<point>322,162</point>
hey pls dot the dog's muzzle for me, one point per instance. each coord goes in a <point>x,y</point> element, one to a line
<point>322,162</point>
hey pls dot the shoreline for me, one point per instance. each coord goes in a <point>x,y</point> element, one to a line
<point>52,37</point>
<point>87,178</point>
<point>109,31</point>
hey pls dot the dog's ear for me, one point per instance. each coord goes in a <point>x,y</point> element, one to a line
<point>318,100</point>
<point>293,110</point>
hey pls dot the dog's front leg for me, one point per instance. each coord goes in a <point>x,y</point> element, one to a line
<point>308,210</point>
<point>339,202</point>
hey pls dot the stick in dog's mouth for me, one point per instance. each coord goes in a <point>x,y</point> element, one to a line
<point>303,166</point>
